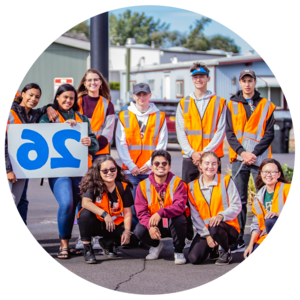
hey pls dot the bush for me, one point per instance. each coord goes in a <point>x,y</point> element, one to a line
<point>114,85</point>
<point>288,172</point>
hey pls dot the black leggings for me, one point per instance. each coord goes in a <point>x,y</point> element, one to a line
<point>223,234</point>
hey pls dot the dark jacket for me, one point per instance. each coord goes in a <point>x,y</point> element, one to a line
<point>268,137</point>
<point>34,115</point>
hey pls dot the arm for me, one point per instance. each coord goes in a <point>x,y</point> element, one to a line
<point>141,207</point>
<point>249,249</point>
<point>125,238</point>
<point>94,147</point>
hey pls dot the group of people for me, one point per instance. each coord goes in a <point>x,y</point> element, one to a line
<point>143,201</point>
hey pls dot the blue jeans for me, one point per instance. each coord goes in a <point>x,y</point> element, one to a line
<point>23,204</point>
<point>66,191</point>
<point>135,180</point>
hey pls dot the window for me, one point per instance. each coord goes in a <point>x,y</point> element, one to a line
<point>151,84</point>
<point>179,89</point>
<point>274,94</point>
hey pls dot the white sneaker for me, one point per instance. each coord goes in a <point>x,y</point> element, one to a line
<point>95,243</point>
<point>179,259</point>
<point>155,251</point>
<point>187,243</point>
<point>79,244</point>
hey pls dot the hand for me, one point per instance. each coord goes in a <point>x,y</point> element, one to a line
<point>271,215</point>
<point>11,176</point>
<point>215,221</point>
<point>71,122</point>
<point>125,238</point>
<point>154,220</point>
<point>110,225</point>
<point>144,169</point>
<point>248,158</point>
<point>154,233</point>
<point>248,251</point>
<point>210,242</point>
<point>86,141</point>
<point>196,157</point>
<point>51,113</point>
<point>135,171</point>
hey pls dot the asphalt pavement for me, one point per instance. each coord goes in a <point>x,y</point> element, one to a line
<point>130,272</point>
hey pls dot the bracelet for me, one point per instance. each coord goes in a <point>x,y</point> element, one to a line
<point>127,231</point>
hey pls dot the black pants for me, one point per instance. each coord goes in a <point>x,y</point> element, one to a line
<point>223,234</point>
<point>90,225</point>
<point>177,228</point>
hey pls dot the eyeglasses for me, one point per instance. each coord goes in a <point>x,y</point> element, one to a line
<point>273,173</point>
<point>91,80</point>
<point>112,170</point>
<point>157,163</point>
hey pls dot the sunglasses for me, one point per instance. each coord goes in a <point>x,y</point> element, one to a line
<point>157,163</point>
<point>112,170</point>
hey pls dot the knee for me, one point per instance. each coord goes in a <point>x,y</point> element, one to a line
<point>139,231</point>
<point>270,223</point>
<point>180,220</point>
<point>214,230</point>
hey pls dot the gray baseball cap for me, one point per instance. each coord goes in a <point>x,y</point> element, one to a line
<point>141,87</point>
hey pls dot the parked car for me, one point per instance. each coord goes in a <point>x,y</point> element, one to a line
<point>168,107</point>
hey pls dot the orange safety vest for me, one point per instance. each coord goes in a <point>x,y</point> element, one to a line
<point>279,198</point>
<point>104,203</point>
<point>98,119</point>
<point>252,129</point>
<point>60,119</point>
<point>13,118</point>
<point>141,150</point>
<point>200,132</point>
<point>218,203</point>
<point>155,203</point>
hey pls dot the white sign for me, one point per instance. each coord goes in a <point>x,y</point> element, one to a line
<point>62,80</point>
<point>47,150</point>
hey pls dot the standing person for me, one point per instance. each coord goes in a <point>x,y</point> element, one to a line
<point>160,206</point>
<point>200,127</point>
<point>66,189</point>
<point>106,201</point>
<point>215,204</point>
<point>140,131</point>
<point>250,132</point>
<point>22,112</point>
<point>268,202</point>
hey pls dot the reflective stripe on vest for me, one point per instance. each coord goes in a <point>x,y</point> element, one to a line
<point>13,118</point>
<point>280,197</point>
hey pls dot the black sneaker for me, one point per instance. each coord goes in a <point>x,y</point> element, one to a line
<point>89,256</point>
<point>214,253</point>
<point>237,247</point>
<point>108,251</point>
<point>224,259</point>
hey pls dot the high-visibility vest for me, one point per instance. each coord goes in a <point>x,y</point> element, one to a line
<point>254,128</point>
<point>279,198</point>
<point>60,119</point>
<point>13,118</point>
<point>155,203</point>
<point>219,201</point>
<point>98,119</point>
<point>141,150</point>
<point>18,93</point>
<point>199,131</point>
<point>104,203</point>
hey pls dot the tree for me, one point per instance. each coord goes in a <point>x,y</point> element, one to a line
<point>134,25</point>
<point>82,27</point>
<point>225,43</point>
<point>176,38</point>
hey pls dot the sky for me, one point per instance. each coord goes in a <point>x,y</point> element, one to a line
<point>181,20</point>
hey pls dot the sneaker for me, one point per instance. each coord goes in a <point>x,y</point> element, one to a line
<point>237,247</point>
<point>79,244</point>
<point>88,253</point>
<point>95,243</point>
<point>155,251</point>
<point>224,259</point>
<point>179,259</point>
<point>187,243</point>
<point>214,253</point>
<point>107,251</point>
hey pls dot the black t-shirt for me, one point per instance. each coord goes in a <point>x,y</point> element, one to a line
<point>113,198</point>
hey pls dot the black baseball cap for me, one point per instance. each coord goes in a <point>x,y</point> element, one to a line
<point>247,72</point>
<point>141,87</point>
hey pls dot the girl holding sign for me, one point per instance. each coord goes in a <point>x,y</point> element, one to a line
<point>66,189</point>
<point>268,202</point>
<point>215,204</point>
<point>106,201</point>
<point>22,112</point>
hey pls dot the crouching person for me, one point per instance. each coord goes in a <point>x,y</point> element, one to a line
<point>106,207</point>
<point>160,205</point>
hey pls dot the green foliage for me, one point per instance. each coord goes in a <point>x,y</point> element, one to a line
<point>113,85</point>
<point>225,43</point>
<point>176,38</point>
<point>288,172</point>
<point>82,27</point>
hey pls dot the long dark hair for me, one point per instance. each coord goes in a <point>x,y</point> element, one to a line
<point>27,87</point>
<point>93,181</point>
<point>104,89</point>
<point>259,182</point>
<point>65,88</point>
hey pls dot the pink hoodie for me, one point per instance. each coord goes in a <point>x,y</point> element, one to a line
<point>177,208</point>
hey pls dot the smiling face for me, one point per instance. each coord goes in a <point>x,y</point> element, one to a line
<point>209,166</point>
<point>106,167</point>
<point>270,174</point>
<point>30,98</point>
<point>66,100</point>
<point>92,83</point>
<point>160,166</point>
<point>200,81</point>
